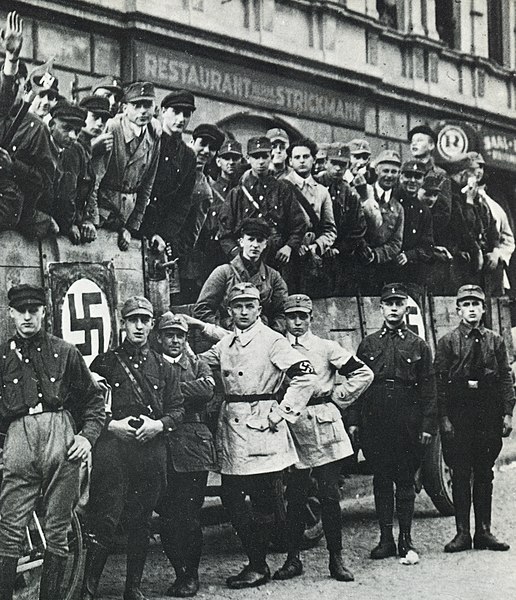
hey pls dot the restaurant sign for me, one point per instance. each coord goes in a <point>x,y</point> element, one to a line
<point>499,148</point>
<point>251,87</point>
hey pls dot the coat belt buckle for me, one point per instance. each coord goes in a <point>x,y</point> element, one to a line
<point>472,384</point>
<point>389,384</point>
<point>36,410</point>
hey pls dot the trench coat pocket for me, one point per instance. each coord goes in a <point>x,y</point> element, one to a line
<point>259,437</point>
<point>325,430</point>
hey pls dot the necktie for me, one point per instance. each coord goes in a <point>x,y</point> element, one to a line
<point>476,367</point>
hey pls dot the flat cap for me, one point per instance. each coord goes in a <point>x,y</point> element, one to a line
<point>433,183</point>
<point>416,167</point>
<point>171,321</point>
<point>298,303</point>
<point>209,132</point>
<point>394,290</point>
<point>112,84</point>
<point>139,90</point>
<point>23,295</point>
<point>388,156</point>
<point>179,99</point>
<point>50,84</point>
<point>258,144</point>
<point>322,151</point>
<point>276,133</point>
<point>338,152</point>
<point>75,115</point>
<point>422,129</point>
<point>359,146</point>
<point>231,147</point>
<point>97,105</point>
<point>470,290</point>
<point>257,227</point>
<point>476,157</point>
<point>137,305</point>
<point>242,291</point>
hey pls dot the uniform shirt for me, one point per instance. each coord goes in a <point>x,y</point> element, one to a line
<point>445,192</point>
<point>400,355</point>
<point>418,237</point>
<point>191,444</point>
<point>46,370</point>
<point>163,399</point>
<point>255,361</point>
<point>272,200</point>
<point>386,239</point>
<point>319,199</point>
<point>126,174</point>
<point>453,364</point>
<point>319,432</point>
<point>212,301</point>
<point>505,234</point>
<point>171,196</point>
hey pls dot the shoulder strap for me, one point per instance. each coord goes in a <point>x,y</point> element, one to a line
<point>250,198</point>
<point>137,388</point>
<point>314,219</point>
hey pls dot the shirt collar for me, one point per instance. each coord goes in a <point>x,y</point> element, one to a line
<point>300,181</point>
<point>381,192</point>
<point>129,130</point>
<point>467,330</point>
<point>173,360</point>
<point>303,340</point>
<point>401,330</point>
<point>246,335</point>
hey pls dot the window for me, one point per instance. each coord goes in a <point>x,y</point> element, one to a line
<point>446,21</point>
<point>387,13</point>
<point>495,30</point>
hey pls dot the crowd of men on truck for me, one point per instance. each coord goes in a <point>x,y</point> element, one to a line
<point>256,238</point>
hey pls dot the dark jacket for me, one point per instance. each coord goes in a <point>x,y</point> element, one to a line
<point>418,237</point>
<point>162,399</point>
<point>191,446</point>
<point>46,369</point>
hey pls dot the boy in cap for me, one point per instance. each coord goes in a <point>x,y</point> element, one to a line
<point>127,172</point>
<point>171,197</point>
<point>76,210</point>
<point>278,167</point>
<point>248,265</point>
<point>476,400</point>
<point>253,440</point>
<point>109,87</point>
<point>395,419</point>
<point>48,394</point>
<point>320,437</point>
<point>260,195</point>
<point>191,455</point>
<point>129,462</point>
<point>46,99</point>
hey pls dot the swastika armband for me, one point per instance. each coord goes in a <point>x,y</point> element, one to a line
<point>301,368</point>
<point>352,365</point>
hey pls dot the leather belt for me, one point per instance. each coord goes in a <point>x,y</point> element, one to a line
<point>193,418</point>
<point>39,409</point>
<point>392,384</point>
<point>250,397</point>
<point>319,400</point>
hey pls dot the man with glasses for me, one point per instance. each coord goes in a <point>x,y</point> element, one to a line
<point>279,167</point>
<point>129,170</point>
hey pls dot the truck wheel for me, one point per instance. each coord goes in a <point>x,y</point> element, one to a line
<point>437,478</point>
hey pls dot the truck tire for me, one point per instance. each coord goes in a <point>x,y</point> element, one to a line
<point>437,478</point>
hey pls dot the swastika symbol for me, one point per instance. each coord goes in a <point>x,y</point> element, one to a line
<point>88,323</point>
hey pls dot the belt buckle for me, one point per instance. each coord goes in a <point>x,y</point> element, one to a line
<point>36,410</point>
<point>389,384</point>
<point>472,384</point>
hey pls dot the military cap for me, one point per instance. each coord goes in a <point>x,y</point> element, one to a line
<point>74,115</point>
<point>394,290</point>
<point>42,81</point>
<point>258,144</point>
<point>476,157</point>
<point>26,295</point>
<point>338,152</point>
<point>359,146</point>
<point>112,84</point>
<point>257,227</point>
<point>171,321</point>
<point>322,151</point>
<point>432,183</point>
<point>276,134</point>
<point>97,105</point>
<point>179,99</point>
<point>139,90</point>
<point>137,305</point>
<point>388,156</point>
<point>209,132</point>
<point>244,290</point>
<point>231,147</point>
<point>470,290</point>
<point>422,129</point>
<point>298,303</point>
<point>416,167</point>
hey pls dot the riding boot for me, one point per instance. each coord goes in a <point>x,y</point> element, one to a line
<point>54,566</point>
<point>482,502</point>
<point>137,547</point>
<point>96,557</point>
<point>172,547</point>
<point>384,503</point>
<point>189,583</point>
<point>405,497</point>
<point>462,504</point>
<point>8,567</point>
<point>337,569</point>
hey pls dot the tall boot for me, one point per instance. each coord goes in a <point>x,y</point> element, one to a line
<point>96,557</point>
<point>462,503</point>
<point>189,584</point>
<point>384,503</point>
<point>54,566</point>
<point>8,567</point>
<point>295,526</point>
<point>482,502</point>
<point>171,542</point>
<point>337,569</point>
<point>405,497</point>
<point>137,547</point>
<point>254,537</point>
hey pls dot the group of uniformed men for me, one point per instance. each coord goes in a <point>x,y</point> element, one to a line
<point>337,225</point>
<point>279,424</point>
